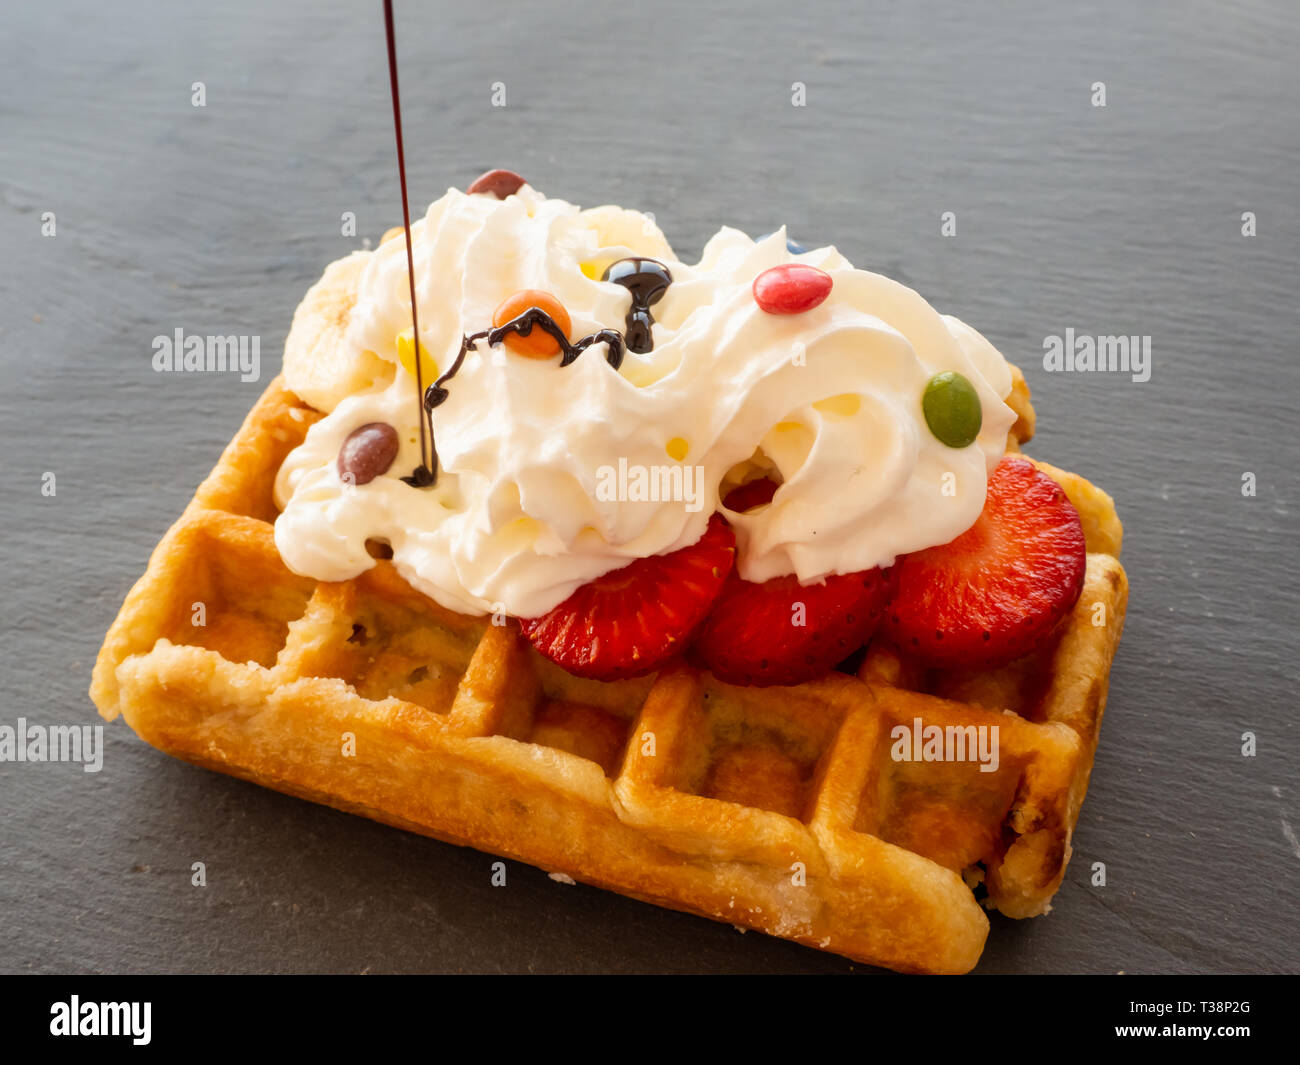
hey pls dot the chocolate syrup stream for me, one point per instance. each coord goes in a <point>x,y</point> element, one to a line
<point>424,473</point>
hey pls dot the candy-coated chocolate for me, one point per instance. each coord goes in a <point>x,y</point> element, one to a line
<point>538,344</point>
<point>368,452</point>
<point>952,409</point>
<point>498,183</point>
<point>406,356</point>
<point>791,288</point>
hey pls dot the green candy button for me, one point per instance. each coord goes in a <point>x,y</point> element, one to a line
<point>952,409</point>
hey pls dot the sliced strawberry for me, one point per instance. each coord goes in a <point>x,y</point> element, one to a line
<point>757,634</point>
<point>999,589</point>
<point>632,620</point>
<point>749,495</point>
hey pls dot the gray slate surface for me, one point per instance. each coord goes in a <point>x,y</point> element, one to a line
<point>1125,219</point>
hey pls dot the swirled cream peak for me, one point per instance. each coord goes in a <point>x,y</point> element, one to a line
<point>550,477</point>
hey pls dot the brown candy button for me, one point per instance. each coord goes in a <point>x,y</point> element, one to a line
<point>500,183</point>
<point>367,452</point>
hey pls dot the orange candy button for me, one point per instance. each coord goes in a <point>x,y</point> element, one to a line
<point>538,344</point>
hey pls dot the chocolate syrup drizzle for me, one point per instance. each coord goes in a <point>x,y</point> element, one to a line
<point>646,281</point>
<point>436,394</point>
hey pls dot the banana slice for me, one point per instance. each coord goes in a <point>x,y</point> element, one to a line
<point>318,365</point>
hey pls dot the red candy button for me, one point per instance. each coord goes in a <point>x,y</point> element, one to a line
<point>791,288</point>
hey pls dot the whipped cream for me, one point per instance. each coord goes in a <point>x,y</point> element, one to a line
<point>829,402</point>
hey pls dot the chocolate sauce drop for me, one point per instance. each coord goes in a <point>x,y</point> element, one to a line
<point>646,281</point>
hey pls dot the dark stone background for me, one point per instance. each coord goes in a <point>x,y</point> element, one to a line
<point>1125,219</point>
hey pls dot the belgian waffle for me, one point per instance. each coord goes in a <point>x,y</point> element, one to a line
<point>779,809</point>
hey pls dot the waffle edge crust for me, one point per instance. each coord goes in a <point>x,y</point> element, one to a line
<point>778,809</point>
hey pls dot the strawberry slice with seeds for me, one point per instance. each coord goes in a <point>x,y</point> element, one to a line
<point>999,589</point>
<point>632,620</point>
<point>781,632</point>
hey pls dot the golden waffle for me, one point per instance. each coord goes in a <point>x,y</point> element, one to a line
<point>779,809</point>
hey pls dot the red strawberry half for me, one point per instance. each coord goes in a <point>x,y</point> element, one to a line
<point>632,620</point>
<point>782,632</point>
<point>999,589</point>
